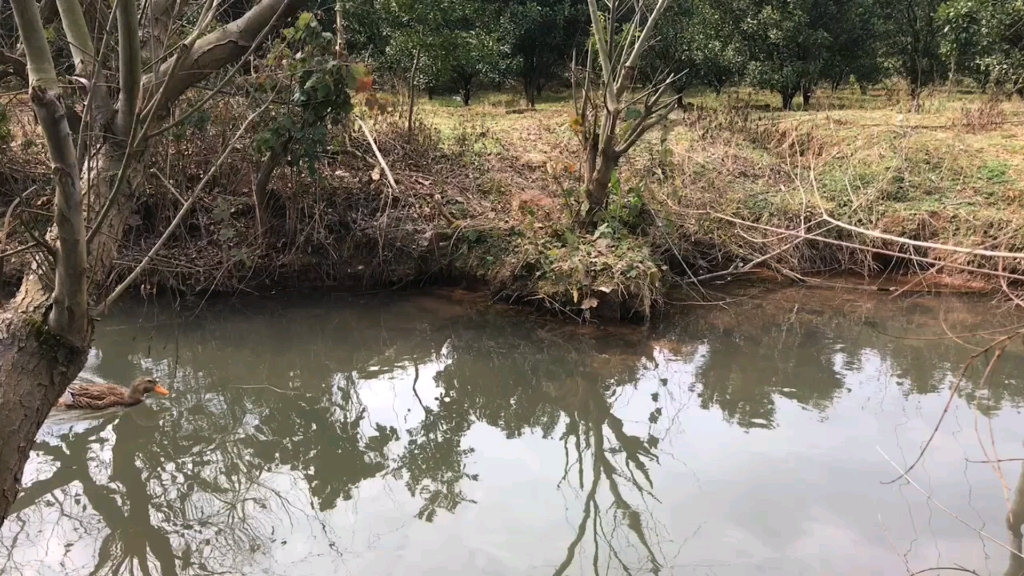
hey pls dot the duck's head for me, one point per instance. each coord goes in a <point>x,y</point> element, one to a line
<point>148,384</point>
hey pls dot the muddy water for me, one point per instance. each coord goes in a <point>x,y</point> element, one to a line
<point>432,435</point>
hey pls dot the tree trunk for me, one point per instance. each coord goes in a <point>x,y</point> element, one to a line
<point>787,99</point>
<point>36,367</point>
<point>530,93</point>
<point>273,160</point>
<point>599,188</point>
<point>340,53</point>
<point>915,97</point>
<point>99,174</point>
<point>44,333</point>
<point>590,161</point>
<point>467,91</point>
<point>412,89</point>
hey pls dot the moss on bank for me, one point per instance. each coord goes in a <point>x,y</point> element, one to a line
<point>487,197</point>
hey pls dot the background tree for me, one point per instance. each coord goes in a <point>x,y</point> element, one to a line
<point>853,31</point>
<point>304,65</point>
<point>542,35</point>
<point>787,46</point>
<point>459,43</point>
<point>716,44</point>
<point>910,42</point>
<point>984,40</point>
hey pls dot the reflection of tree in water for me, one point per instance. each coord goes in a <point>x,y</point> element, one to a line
<point>788,344</point>
<point>204,473</point>
<point>610,464</point>
<point>743,373</point>
<point>196,493</point>
<point>517,384</point>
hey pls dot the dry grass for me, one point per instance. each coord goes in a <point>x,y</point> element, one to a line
<point>950,174</point>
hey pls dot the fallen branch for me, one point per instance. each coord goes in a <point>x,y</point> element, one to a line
<point>920,244</point>
<point>871,249</point>
<point>376,152</point>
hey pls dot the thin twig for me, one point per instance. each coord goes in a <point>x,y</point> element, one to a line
<point>264,386</point>
<point>953,568</point>
<point>903,474</point>
<point>953,391</point>
<point>181,213</point>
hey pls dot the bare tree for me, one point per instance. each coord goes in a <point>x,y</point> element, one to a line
<point>46,330</point>
<point>608,92</point>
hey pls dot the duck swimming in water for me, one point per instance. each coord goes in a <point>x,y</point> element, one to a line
<point>100,396</point>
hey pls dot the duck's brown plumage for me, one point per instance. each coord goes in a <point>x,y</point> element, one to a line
<point>100,396</point>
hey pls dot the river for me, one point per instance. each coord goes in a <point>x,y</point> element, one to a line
<point>434,434</point>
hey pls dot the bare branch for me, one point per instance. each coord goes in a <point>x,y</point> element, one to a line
<point>18,67</point>
<point>76,28</point>
<point>130,67</point>
<point>626,78</point>
<point>903,474</point>
<point>602,48</point>
<point>922,259</point>
<point>229,44</point>
<point>376,151</point>
<point>654,113</point>
<point>181,213</point>
<point>918,243</point>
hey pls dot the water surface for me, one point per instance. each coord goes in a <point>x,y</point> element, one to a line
<point>429,435</point>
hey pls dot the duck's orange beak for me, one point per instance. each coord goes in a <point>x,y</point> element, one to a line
<point>161,390</point>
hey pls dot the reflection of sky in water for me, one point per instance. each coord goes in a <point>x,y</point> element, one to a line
<point>799,494</point>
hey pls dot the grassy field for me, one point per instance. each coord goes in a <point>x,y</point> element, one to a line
<point>734,180</point>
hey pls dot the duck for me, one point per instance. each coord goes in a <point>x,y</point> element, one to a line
<point>81,395</point>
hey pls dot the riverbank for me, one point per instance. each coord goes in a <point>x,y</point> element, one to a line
<point>483,197</point>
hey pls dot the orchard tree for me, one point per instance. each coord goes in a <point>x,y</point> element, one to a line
<point>542,35</point>
<point>472,58</point>
<point>786,47</point>
<point>700,42</point>
<point>963,41</point>
<point>458,42</point>
<point>1005,61</point>
<point>854,41</point>
<point>984,40</point>
<point>46,330</point>
<point>305,65</point>
<point>910,41</point>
